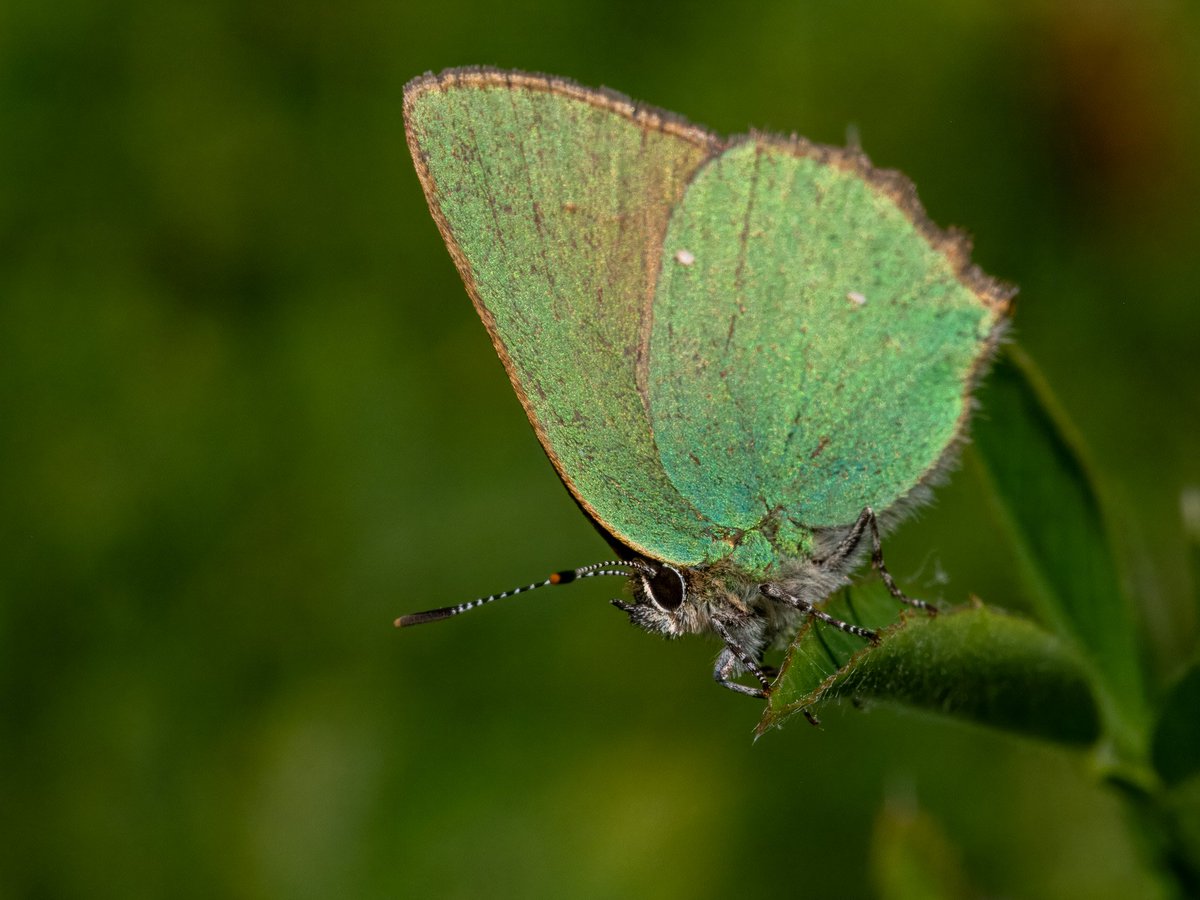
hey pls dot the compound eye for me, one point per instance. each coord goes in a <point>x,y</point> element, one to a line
<point>665,588</point>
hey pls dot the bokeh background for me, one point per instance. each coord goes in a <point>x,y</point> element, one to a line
<point>248,415</point>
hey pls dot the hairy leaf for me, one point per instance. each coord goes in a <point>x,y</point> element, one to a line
<point>974,663</point>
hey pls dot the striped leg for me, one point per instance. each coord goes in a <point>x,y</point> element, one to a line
<point>733,654</point>
<point>775,592</point>
<point>850,543</point>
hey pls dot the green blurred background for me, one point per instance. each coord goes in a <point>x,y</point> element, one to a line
<point>248,415</point>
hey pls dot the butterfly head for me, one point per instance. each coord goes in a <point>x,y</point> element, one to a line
<point>660,599</point>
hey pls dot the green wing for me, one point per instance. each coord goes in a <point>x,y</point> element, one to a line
<point>553,201</point>
<point>720,350</point>
<point>814,341</point>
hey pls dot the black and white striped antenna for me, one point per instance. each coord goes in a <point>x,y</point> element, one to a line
<point>607,567</point>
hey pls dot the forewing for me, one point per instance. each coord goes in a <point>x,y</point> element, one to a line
<point>553,200</point>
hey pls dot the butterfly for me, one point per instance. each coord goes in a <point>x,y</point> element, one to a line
<point>745,357</point>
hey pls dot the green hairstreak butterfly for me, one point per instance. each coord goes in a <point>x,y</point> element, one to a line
<point>743,356</point>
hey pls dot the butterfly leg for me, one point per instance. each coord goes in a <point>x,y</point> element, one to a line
<point>775,592</point>
<point>726,668</point>
<point>849,544</point>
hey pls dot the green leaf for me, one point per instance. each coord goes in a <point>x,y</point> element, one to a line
<point>1047,499</point>
<point>1176,747</point>
<point>974,663</point>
